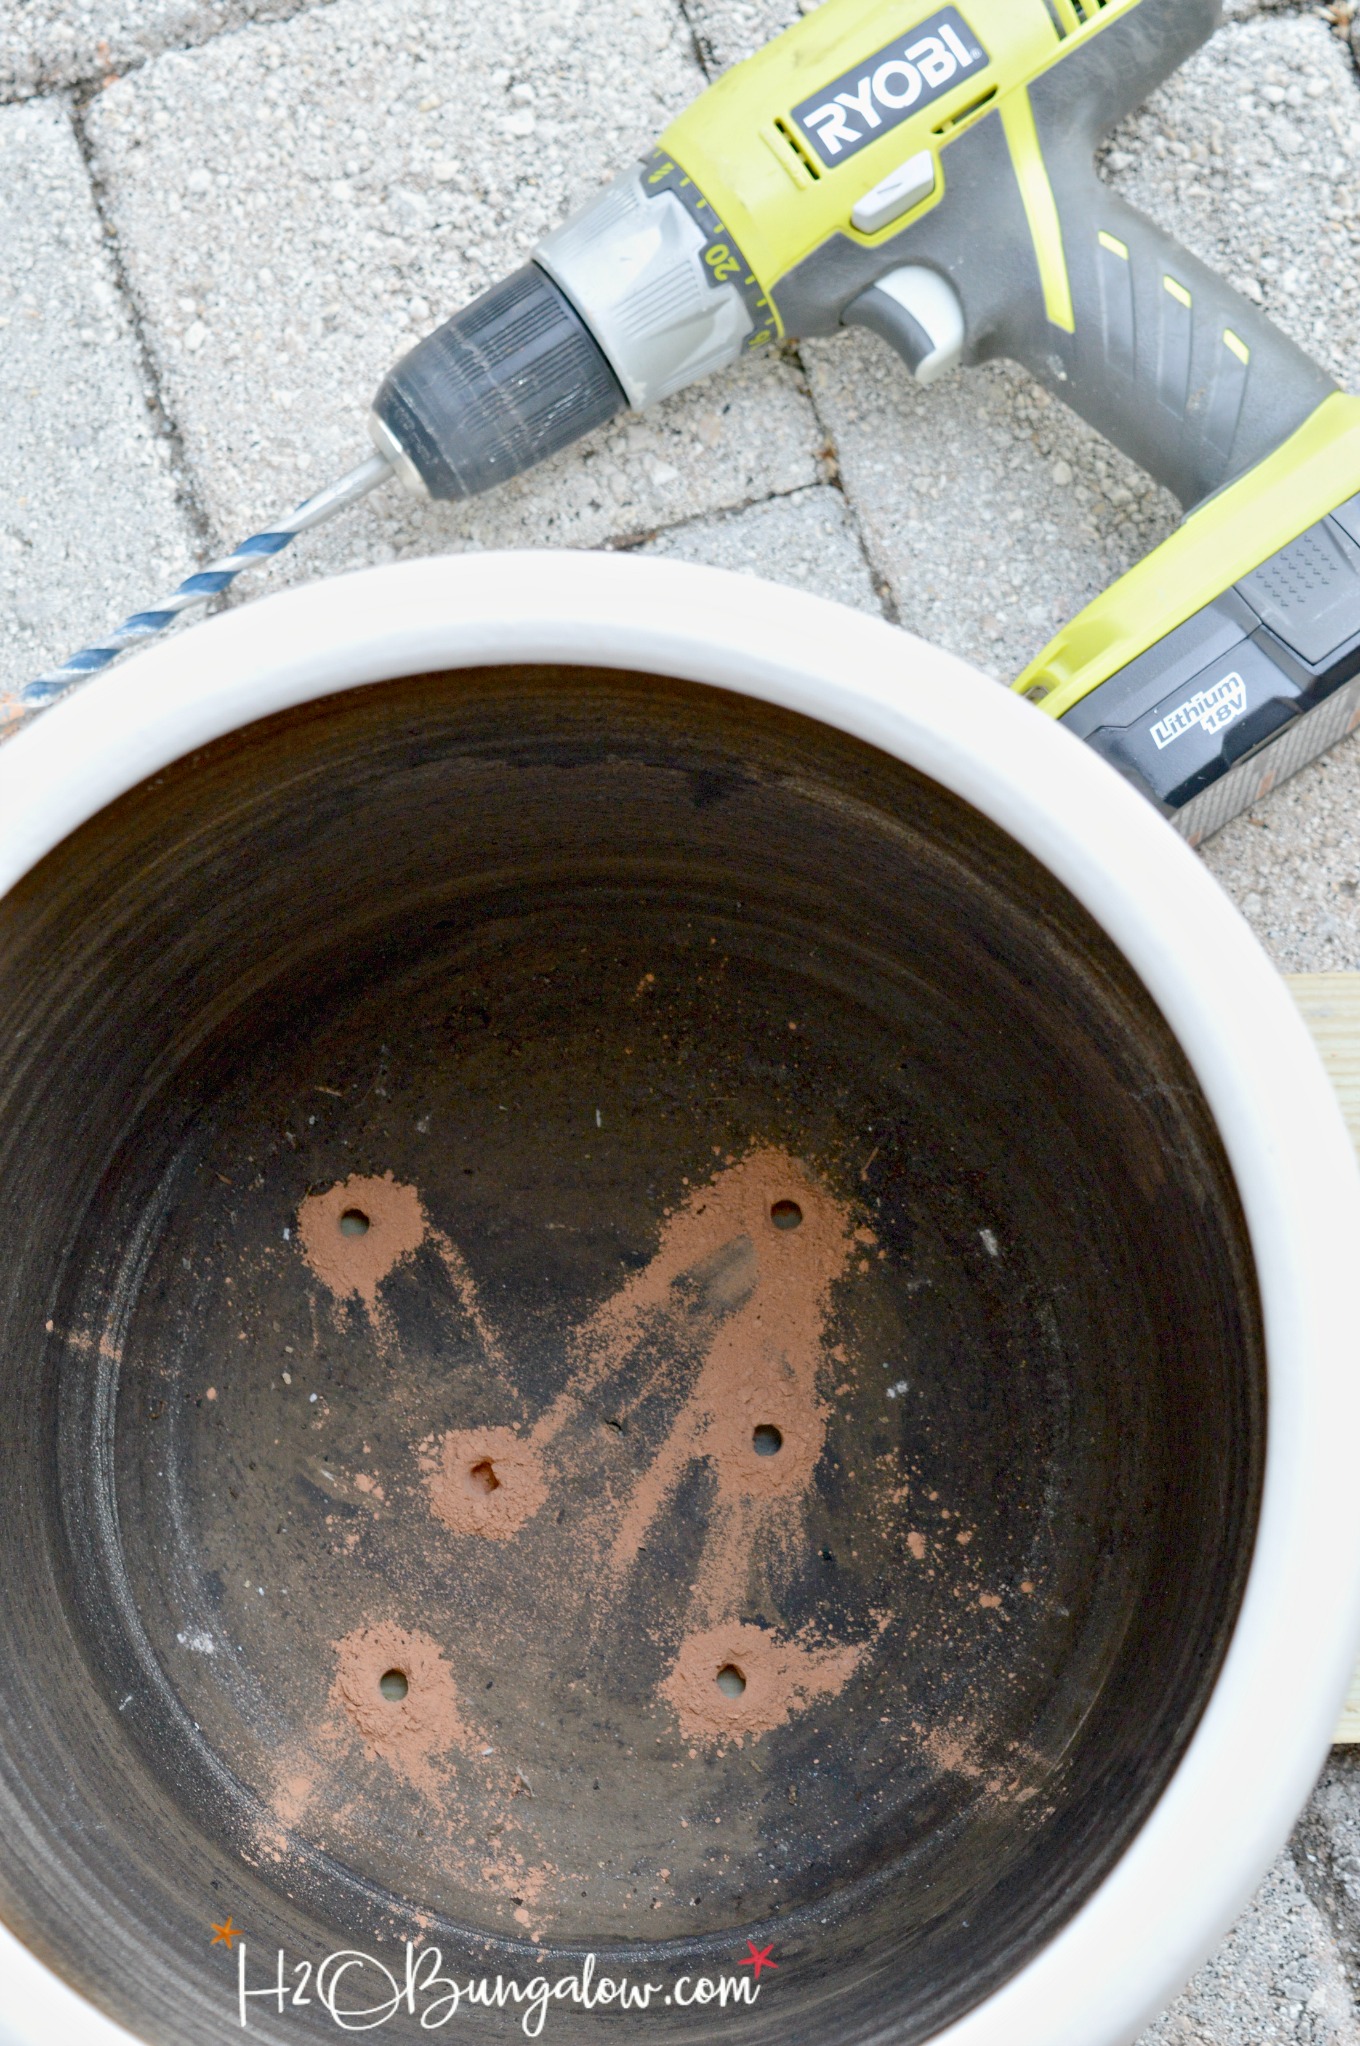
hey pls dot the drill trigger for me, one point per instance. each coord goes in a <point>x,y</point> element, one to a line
<point>917,312</point>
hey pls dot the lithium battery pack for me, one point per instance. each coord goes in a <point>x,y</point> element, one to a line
<point>1244,692</point>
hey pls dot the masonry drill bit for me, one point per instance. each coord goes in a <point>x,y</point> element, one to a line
<point>208,583</point>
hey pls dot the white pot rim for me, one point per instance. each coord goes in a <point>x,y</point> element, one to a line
<point>1251,1762</point>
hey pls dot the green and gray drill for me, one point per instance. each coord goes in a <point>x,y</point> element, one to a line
<point>928,172</point>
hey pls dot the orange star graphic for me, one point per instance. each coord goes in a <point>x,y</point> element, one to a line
<point>223,1935</point>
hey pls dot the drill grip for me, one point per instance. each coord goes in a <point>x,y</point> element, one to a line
<point>1051,269</point>
<point>1146,342</point>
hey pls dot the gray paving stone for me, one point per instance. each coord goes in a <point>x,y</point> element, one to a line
<point>48,43</point>
<point>1327,1850</point>
<point>989,510</point>
<point>88,515</point>
<point>1277,1979</point>
<point>297,205</point>
<point>1292,865</point>
<point>1243,10</point>
<point>994,514</point>
<point>729,30</point>
<point>806,540</point>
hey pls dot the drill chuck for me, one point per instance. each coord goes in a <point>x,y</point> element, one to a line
<point>511,379</point>
<point>639,293</point>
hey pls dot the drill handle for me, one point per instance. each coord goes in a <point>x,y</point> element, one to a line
<point>1050,268</point>
<point>1148,344</point>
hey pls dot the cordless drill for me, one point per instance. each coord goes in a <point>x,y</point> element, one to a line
<point>928,173</point>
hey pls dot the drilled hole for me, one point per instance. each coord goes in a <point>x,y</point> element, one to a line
<point>393,1685</point>
<point>354,1222</point>
<point>786,1214</point>
<point>731,1682</point>
<point>483,1476</point>
<point>766,1440</point>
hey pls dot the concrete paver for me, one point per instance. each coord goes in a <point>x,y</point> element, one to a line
<point>89,519</point>
<point>297,205</point>
<point>806,540</point>
<point>727,31</point>
<point>1327,1848</point>
<point>1292,865</point>
<point>991,512</point>
<point>730,30</point>
<point>1276,1980</point>
<point>50,43</point>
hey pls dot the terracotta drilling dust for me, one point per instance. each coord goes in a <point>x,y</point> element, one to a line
<point>740,1287</point>
<point>484,1481</point>
<point>466,1799</point>
<point>413,1732</point>
<point>355,1235</point>
<point>760,1295</point>
<point>779,1677</point>
<point>716,1369</point>
<point>390,1226</point>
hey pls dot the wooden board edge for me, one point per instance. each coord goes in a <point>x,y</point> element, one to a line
<point>1330,1005</point>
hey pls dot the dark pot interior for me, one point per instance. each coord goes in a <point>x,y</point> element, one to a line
<point>807,1260</point>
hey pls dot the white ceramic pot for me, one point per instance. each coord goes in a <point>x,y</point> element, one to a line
<point>1254,1754</point>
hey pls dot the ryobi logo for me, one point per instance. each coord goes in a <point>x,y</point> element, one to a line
<point>1210,709</point>
<point>893,83</point>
